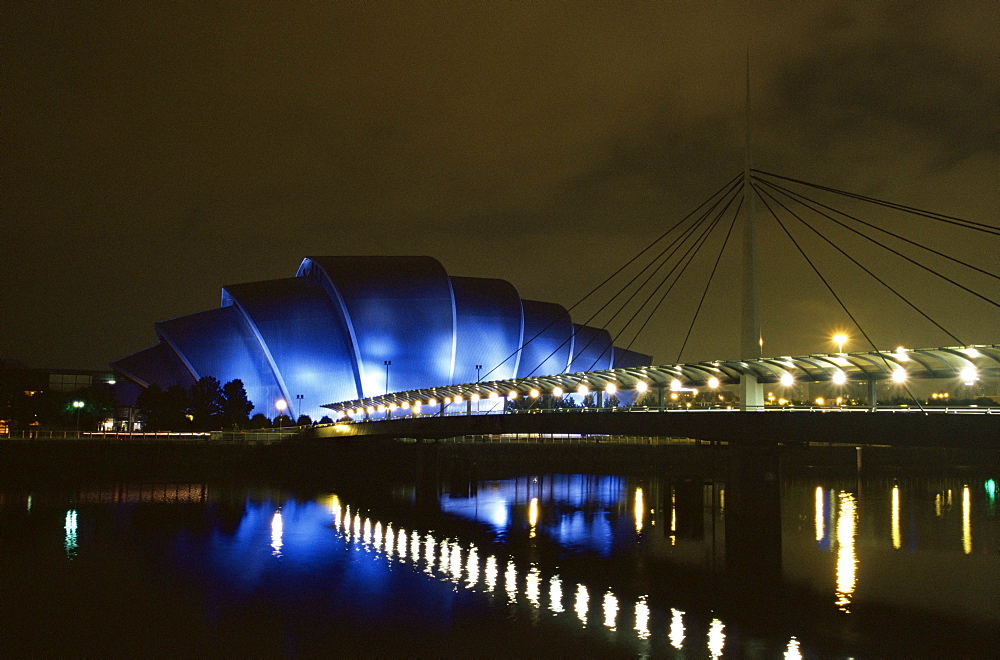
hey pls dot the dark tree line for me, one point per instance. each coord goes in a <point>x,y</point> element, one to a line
<point>49,409</point>
<point>205,406</point>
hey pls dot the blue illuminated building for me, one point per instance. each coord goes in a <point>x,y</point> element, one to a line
<point>346,328</point>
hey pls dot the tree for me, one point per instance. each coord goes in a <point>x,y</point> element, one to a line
<point>150,405</point>
<point>259,421</point>
<point>174,409</point>
<point>282,420</point>
<point>236,406</point>
<point>205,404</point>
<point>325,419</point>
<point>304,420</point>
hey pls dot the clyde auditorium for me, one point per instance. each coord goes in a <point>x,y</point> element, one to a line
<point>347,328</point>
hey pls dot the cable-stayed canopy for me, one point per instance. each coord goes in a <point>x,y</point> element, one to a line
<point>958,363</point>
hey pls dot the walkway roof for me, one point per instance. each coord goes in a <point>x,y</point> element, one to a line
<point>924,363</point>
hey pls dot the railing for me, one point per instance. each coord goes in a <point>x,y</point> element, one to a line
<point>251,437</point>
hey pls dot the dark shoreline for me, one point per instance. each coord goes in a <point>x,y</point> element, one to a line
<point>385,461</point>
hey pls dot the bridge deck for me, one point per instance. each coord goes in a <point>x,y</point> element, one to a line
<point>880,428</point>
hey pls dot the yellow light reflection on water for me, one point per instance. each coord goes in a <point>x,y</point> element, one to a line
<point>444,561</point>
<point>456,563</point>
<point>555,595</point>
<point>966,520</point>
<point>510,582</point>
<point>333,506</point>
<point>401,544</point>
<point>639,509</point>
<point>532,516</point>
<point>847,559</point>
<point>472,568</point>
<point>415,544</point>
<point>277,528</point>
<point>937,505</point>
<point>793,652</point>
<point>582,603</point>
<point>642,618</point>
<point>676,629</point>
<point>70,543</point>
<point>429,554</point>
<point>610,611</point>
<point>673,517</point>
<point>533,586</point>
<point>716,638</point>
<point>897,537</point>
<point>490,573</point>
<point>819,522</point>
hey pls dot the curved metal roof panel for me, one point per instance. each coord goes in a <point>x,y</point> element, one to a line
<point>489,328</point>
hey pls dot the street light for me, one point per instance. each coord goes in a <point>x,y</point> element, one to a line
<point>479,369</point>
<point>281,405</point>
<point>840,339</point>
<point>299,398</point>
<point>79,406</point>
<point>387,364</point>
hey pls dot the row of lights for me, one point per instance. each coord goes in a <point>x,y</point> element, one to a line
<point>968,375</point>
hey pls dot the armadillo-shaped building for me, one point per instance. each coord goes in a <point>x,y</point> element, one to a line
<point>346,328</point>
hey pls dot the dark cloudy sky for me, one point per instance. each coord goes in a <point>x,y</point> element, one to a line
<point>153,152</point>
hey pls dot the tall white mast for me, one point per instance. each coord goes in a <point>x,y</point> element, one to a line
<point>751,343</point>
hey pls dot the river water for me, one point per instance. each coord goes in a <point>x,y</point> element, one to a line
<point>835,565</point>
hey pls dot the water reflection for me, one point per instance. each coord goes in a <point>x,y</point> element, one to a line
<point>794,651</point>
<point>70,542</point>
<point>897,537</point>
<point>277,529</point>
<point>716,638</point>
<point>847,559</point>
<point>842,535</point>
<point>610,611</point>
<point>966,520</point>
<point>677,629</point>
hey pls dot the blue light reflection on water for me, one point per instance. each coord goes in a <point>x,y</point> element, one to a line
<point>324,558</point>
<point>381,565</point>
<point>577,508</point>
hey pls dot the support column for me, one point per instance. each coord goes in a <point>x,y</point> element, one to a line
<point>872,394</point>
<point>751,392</point>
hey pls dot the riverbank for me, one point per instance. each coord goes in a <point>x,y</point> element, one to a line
<point>389,460</point>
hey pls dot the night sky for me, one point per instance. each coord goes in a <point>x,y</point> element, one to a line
<point>153,152</point>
